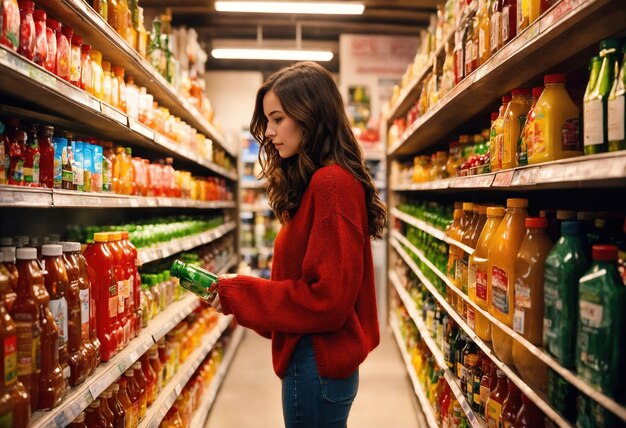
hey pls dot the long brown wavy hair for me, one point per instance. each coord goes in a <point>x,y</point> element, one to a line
<point>309,95</point>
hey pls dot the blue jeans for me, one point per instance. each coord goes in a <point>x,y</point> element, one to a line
<point>313,401</point>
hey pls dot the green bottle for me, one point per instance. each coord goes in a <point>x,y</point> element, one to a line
<point>155,50</point>
<point>617,110</point>
<point>600,344</point>
<point>194,279</point>
<point>595,108</point>
<point>564,266</point>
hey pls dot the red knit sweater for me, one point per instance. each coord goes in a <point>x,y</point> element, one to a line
<point>322,280</point>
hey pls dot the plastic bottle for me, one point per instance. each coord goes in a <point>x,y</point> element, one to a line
<point>101,7</point>
<point>142,389</point>
<point>104,287</point>
<point>121,277</point>
<point>63,53</point>
<point>194,279</point>
<point>528,416</point>
<point>156,365</point>
<point>616,109</point>
<point>479,270</point>
<point>32,158</point>
<point>484,26</point>
<point>118,72</point>
<point>135,281</point>
<point>564,266</point>
<point>511,406</point>
<point>132,98</point>
<point>481,215</point>
<point>10,27</point>
<point>453,252</point>
<point>15,147</point>
<point>8,254</point>
<point>595,107</point>
<point>112,13</point>
<point>512,123</point>
<point>46,160</point>
<point>556,130</point>
<point>501,278</point>
<point>131,415</point>
<point>86,69</point>
<point>495,137</point>
<point>172,418</point>
<point>600,344</point>
<point>119,415</point>
<point>27,30</point>
<point>98,74</point>
<point>528,316</point>
<point>50,63</point>
<point>482,369</point>
<point>41,42</point>
<point>93,415</point>
<point>525,147</point>
<point>133,395</point>
<point>151,378</point>
<point>509,21</point>
<point>75,59</point>
<point>104,408</point>
<point>496,401</point>
<point>107,83</point>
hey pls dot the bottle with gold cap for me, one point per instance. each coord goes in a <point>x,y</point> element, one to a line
<point>501,273</point>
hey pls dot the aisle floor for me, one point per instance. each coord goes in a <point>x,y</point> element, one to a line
<point>250,395</point>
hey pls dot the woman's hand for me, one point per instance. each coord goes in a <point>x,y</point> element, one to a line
<point>216,301</point>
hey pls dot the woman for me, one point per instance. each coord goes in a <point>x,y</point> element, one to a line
<point>319,308</point>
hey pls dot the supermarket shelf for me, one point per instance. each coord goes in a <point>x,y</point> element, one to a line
<point>474,420</point>
<point>436,233</point>
<point>207,400</point>
<point>605,169</point>
<point>252,184</point>
<point>255,208</point>
<point>535,50</point>
<point>427,410</point>
<point>86,113</point>
<point>86,21</point>
<point>79,398</point>
<point>171,391</point>
<point>540,401</point>
<point>175,246</point>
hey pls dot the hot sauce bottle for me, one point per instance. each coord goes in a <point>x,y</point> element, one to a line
<point>119,415</point>
<point>142,384</point>
<point>88,306</point>
<point>127,403</point>
<point>46,160</point>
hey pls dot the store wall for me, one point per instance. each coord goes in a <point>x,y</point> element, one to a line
<point>232,95</point>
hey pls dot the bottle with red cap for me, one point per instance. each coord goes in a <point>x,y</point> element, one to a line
<point>512,123</point>
<point>600,344</point>
<point>27,29</point>
<point>41,42</point>
<point>15,150</point>
<point>556,131</point>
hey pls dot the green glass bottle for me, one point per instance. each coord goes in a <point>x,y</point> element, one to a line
<point>617,110</point>
<point>564,266</point>
<point>602,324</point>
<point>595,109</point>
<point>194,279</point>
<point>155,50</point>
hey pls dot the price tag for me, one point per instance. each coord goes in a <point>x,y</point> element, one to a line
<point>529,34</point>
<point>133,202</point>
<point>7,197</point>
<point>151,202</point>
<point>41,76</point>
<point>503,179</point>
<point>61,420</point>
<point>165,202</point>
<point>115,114</point>
<point>141,129</point>
<point>556,14</point>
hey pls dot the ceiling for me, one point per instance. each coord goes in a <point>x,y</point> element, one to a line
<point>381,17</point>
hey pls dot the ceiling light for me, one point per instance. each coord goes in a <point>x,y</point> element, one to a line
<point>319,8</point>
<point>273,54</point>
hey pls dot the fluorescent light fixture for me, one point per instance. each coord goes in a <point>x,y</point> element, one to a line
<point>312,7</point>
<point>273,54</point>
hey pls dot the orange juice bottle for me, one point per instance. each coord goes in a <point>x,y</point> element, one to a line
<point>496,136</point>
<point>479,269</point>
<point>525,148</point>
<point>512,124</point>
<point>465,224</point>
<point>501,273</point>
<point>467,239</point>
<point>453,253</point>
<point>484,25</point>
<point>471,267</point>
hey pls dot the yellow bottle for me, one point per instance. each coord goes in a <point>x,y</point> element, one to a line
<point>501,273</point>
<point>556,118</point>
<point>142,35</point>
<point>97,74</point>
<point>478,283</point>
<point>484,26</point>
<point>107,83</point>
<point>495,137</point>
<point>512,124</point>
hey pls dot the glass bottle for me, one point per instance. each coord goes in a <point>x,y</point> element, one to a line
<point>156,365</point>
<point>52,26</point>
<point>142,34</point>
<point>155,50</point>
<point>94,417</point>
<point>118,72</point>
<point>10,30</point>
<point>616,109</point>
<point>123,18</point>
<point>496,137</point>
<point>32,158</point>
<point>27,30</point>
<point>528,416</point>
<point>119,415</point>
<point>194,279</point>
<point>133,22</point>
<point>133,395</point>
<point>113,13</point>
<point>106,83</point>
<point>495,26</point>
<point>78,422</point>
<point>470,359</point>
<point>151,378</point>
<point>511,405</point>
<point>509,21</point>
<point>87,288</point>
<point>104,408</point>
<point>496,400</point>
<point>484,35</point>
<point>131,413</point>
<point>595,107</point>
<point>172,418</point>
<point>142,389</point>
<point>16,150</point>
<point>469,55</point>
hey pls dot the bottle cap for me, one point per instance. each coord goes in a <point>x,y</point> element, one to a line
<point>137,366</point>
<point>53,24</point>
<point>27,5</point>
<point>115,388</point>
<point>129,373</point>
<point>565,215</point>
<point>6,242</point>
<point>604,253</point>
<point>520,92</point>
<point>77,40</point>
<point>52,250</point>
<point>85,48</point>
<point>495,211</point>
<point>570,228</point>
<point>39,15</point>
<point>536,222</point>
<point>554,78</point>
<point>124,234</point>
<point>101,237</point>
<point>537,90</point>
<point>67,31</point>
<point>516,203</point>
<point>468,206</point>
<point>26,253</point>
<point>8,254</point>
<point>106,393</point>
<point>506,99</point>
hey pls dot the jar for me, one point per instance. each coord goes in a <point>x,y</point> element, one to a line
<point>86,72</point>
<point>63,53</point>
<point>10,24</point>
<point>96,63</point>
<point>75,60</point>
<point>52,26</point>
<point>27,29</point>
<point>41,42</point>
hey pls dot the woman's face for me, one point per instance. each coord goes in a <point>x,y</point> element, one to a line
<point>285,134</point>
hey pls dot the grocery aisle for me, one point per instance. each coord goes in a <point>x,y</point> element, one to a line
<point>385,396</point>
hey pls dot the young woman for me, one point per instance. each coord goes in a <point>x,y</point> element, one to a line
<point>319,308</point>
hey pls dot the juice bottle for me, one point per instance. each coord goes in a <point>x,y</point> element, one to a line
<point>93,415</point>
<point>496,136</point>
<point>32,159</point>
<point>127,404</point>
<point>119,415</point>
<point>511,406</point>
<point>509,21</point>
<point>471,49</point>
<point>75,60</point>
<point>453,233</point>
<point>501,278</point>
<point>444,404</point>
<point>133,395</point>
<point>112,13</point>
<point>106,83</point>
<point>118,72</point>
<point>495,401</point>
<point>121,279</point>
<point>57,283</point>
<point>142,389</point>
<point>470,359</point>
<point>495,23</point>
<point>467,215</point>
<point>595,107</point>
<point>602,325</point>
<point>194,279</point>
<point>512,123</point>
<point>63,54</point>
<point>46,160</point>
<point>564,266</point>
<point>172,418</point>
<point>616,111</point>
<point>479,261</point>
<point>25,313</point>
<point>10,29</point>
<point>7,266</point>
<point>98,74</point>
<point>481,215</point>
<point>529,415</point>
<point>482,369</point>
<point>81,356</point>
<point>163,358</point>
<point>525,147</point>
<point>104,289</point>
<point>101,7</point>
<point>151,378</point>
<point>528,316</point>
<point>104,407</point>
<point>556,131</point>
<point>156,365</point>
<point>27,30</point>
<point>484,26</point>
<point>87,295</point>
<point>86,69</point>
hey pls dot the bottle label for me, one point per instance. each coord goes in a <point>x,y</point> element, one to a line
<point>522,295</point>
<point>594,338</point>
<point>482,42</point>
<point>471,321</point>
<point>106,174</point>
<point>120,296</point>
<point>592,111</point>
<point>476,390</point>
<point>17,171</point>
<point>481,285</point>
<point>518,321</point>
<point>446,354</point>
<point>522,149</point>
<point>500,289</point>
<point>469,49</point>
<point>617,118</point>
<point>58,308</point>
<point>84,314</point>
<point>570,140</point>
<point>495,31</point>
<point>494,414</point>
<point>27,342</point>
<point>591,314</point>
<point>485,391</point>
<point>10,360</point>
<point>113,301</point>
<point>505,24</point>
<point>31,173</point>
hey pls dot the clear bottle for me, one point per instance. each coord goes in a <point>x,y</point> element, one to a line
<point>86,69</point>
<point>616,110</point>
<point>118,72</point>
<point>94,417</point>
<point>142,35</point>
<point>142,389</point>
<point>27,30</point>
<point>75,60</point>
<point>155,50</point>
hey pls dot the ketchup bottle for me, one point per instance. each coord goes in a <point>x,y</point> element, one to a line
<point>121,279</point>
<point>88,304</point>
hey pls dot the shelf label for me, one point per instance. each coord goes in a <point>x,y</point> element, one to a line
<point>141,129</point>
<point>525,177</point>
<point>165,202</point>
<point>115,114</point>
<point>558,13</point>
<point>503,179</point>
<point>6,197</point>
<point>150,202</point>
